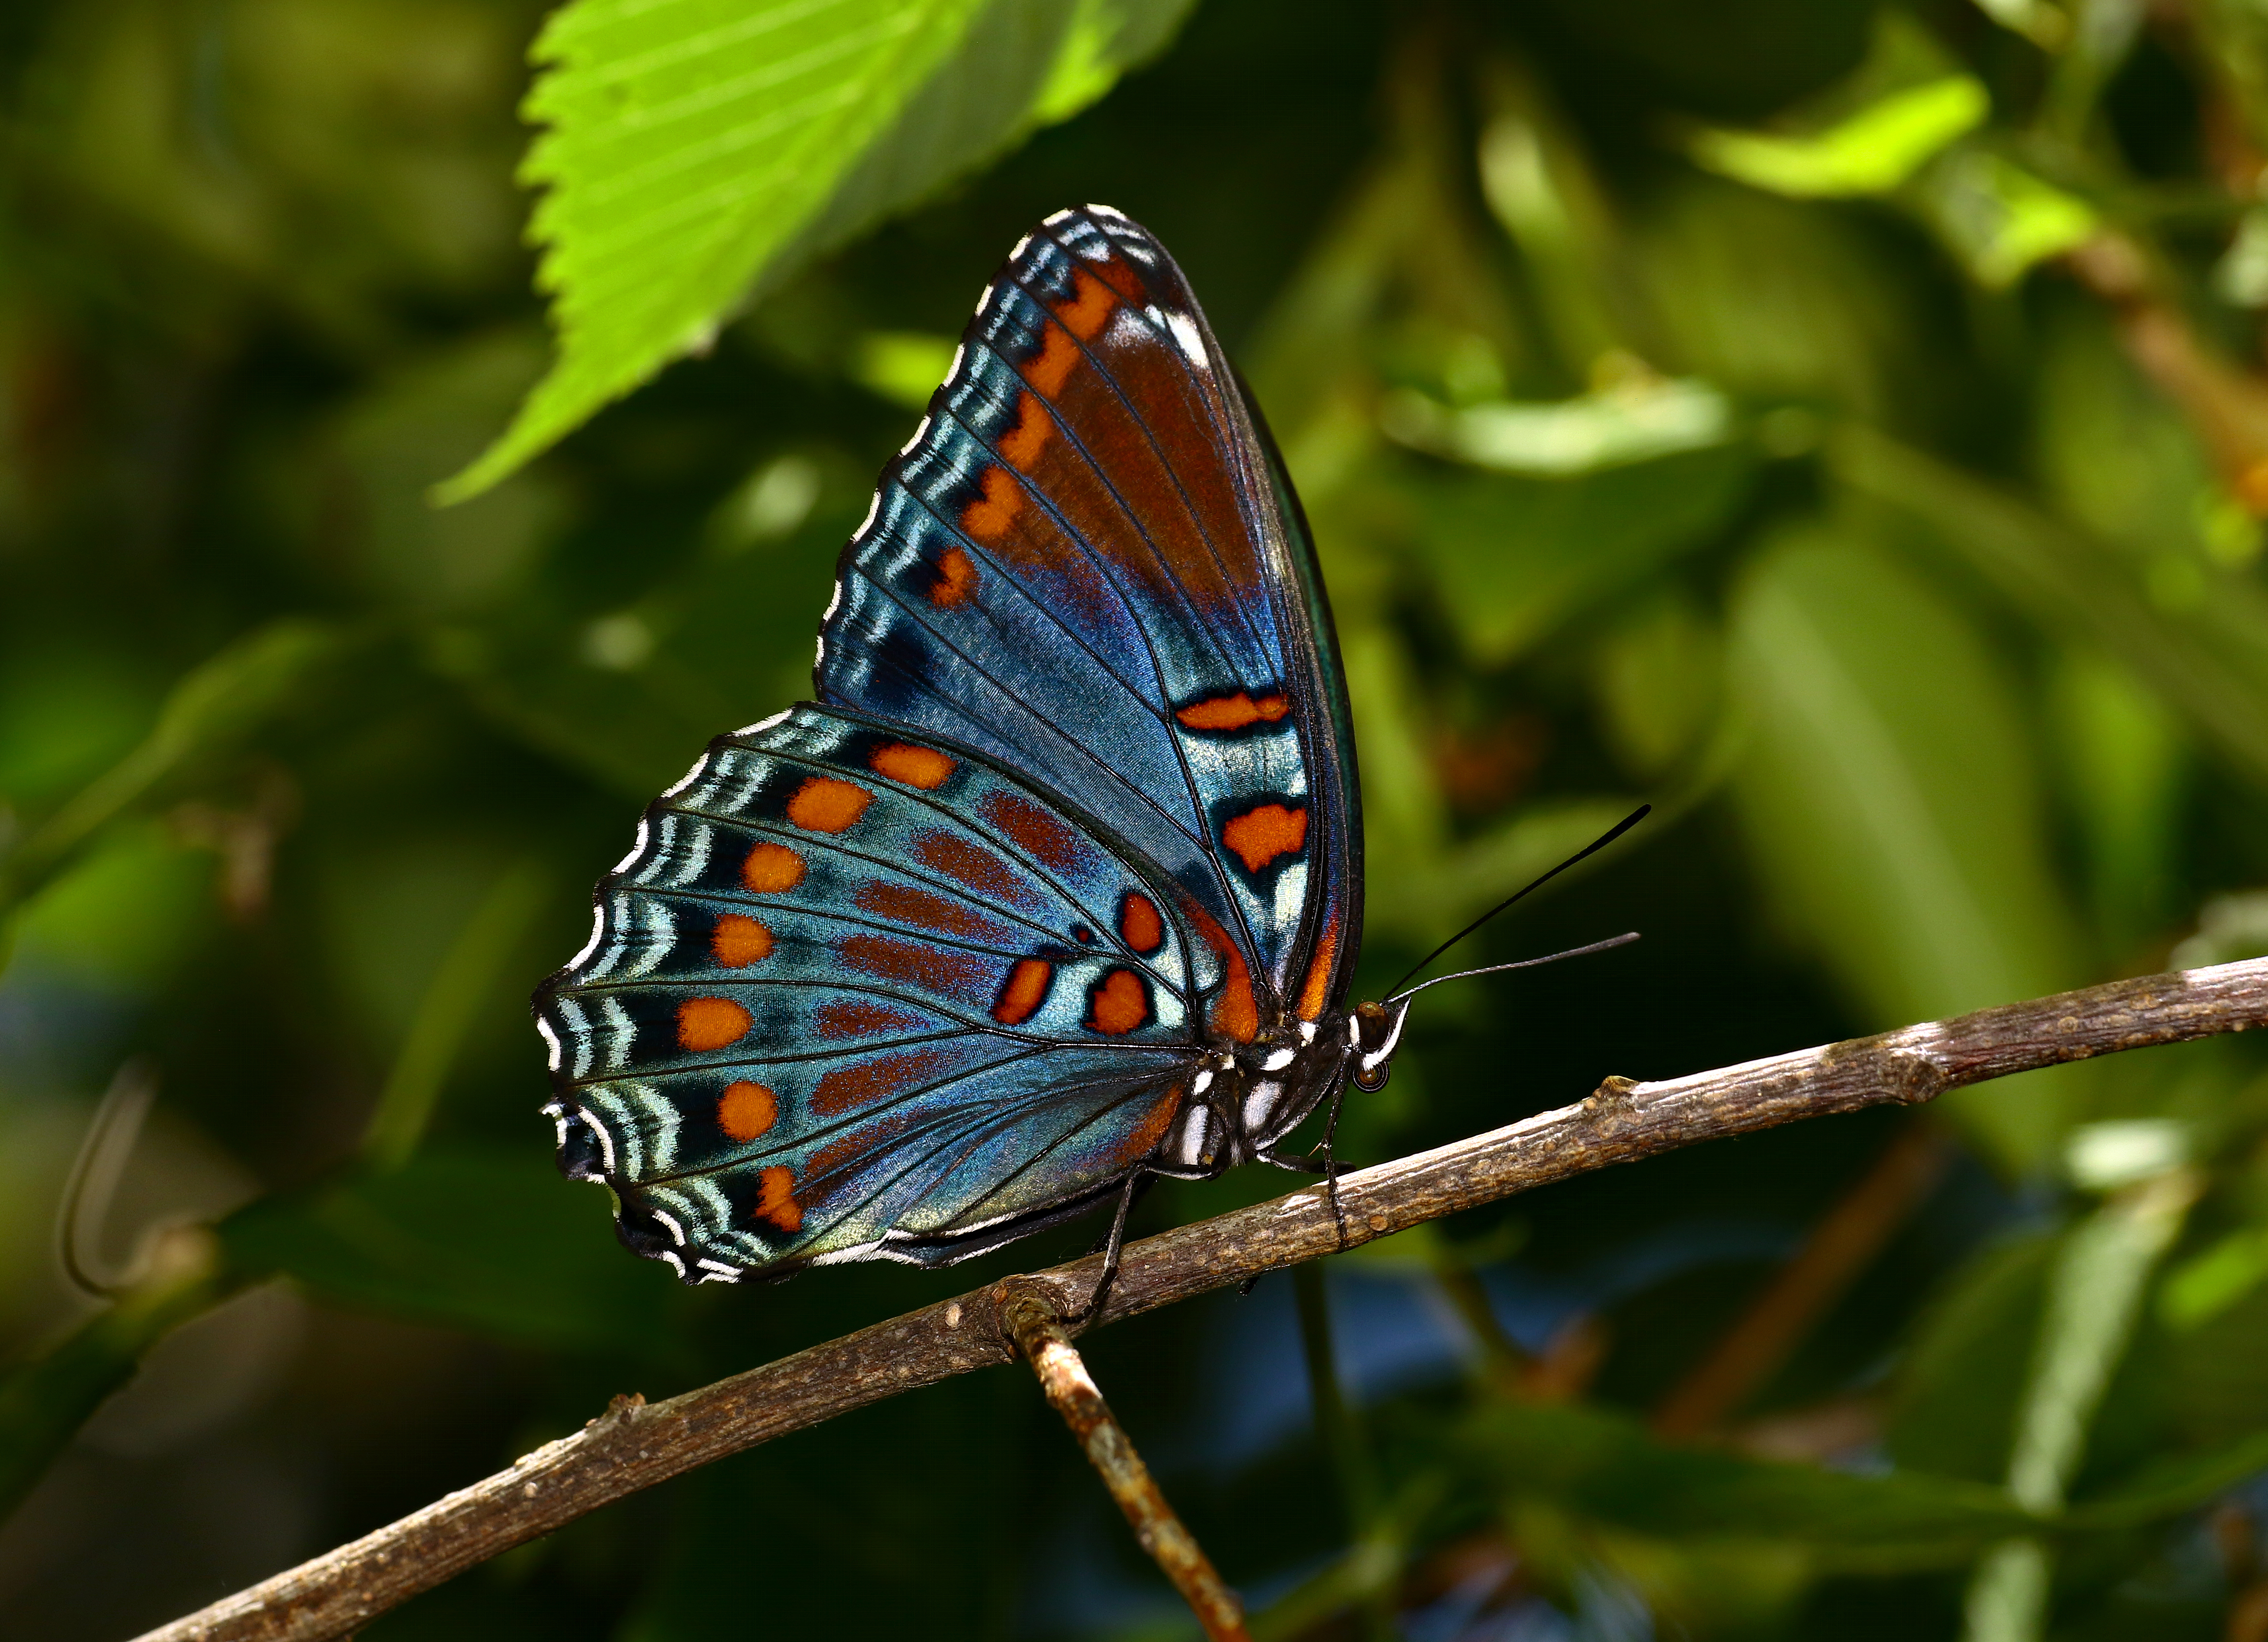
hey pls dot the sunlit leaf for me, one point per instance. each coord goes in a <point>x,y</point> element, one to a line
<point>903,367</point>
<point>1871,152</point>
<point>2001,219</point>
<point>695,151</point>
<point>1634,421</point>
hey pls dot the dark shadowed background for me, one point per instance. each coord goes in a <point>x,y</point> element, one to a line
<point>1841,425</point>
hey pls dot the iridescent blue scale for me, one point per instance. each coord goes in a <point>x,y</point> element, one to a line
<point>1055,884</point>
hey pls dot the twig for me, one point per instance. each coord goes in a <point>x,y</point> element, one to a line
<point>1028,1313</point>
<point>633,1447</point>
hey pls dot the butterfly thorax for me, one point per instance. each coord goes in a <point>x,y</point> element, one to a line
<point>1247,1097</point>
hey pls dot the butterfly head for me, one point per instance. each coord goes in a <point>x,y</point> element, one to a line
<point>1375,1031</point>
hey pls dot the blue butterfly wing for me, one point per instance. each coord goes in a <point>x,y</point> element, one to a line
<point>856,992</point>
<point>943,956</point>
<point>1088,565</point>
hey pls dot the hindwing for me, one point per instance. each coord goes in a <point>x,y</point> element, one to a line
<point>860,991</point>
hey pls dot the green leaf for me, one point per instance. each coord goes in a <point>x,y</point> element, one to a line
<point>215,705</point>
<point>1887,785</point>
<point>1658,678</point>
<point>1953,1405</point>
<point>2093,1298</point>
<point>1871,152</point>
<point>1631,422</point>
<point>903,367</point>
<point>1517,557</point>
<point>2214,1279</point>
<point>2167,1487</point>
<point>461,984</point>
<point>2216,1355</point>
<point>697,151</point>
<point>494,1244</point>
<point>2206,656</point>
<point>1605,1466</point>
<point>2001,220</point>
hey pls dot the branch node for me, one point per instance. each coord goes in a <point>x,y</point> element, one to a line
<point>1609,1109</point>
<point>1030,1315</point>
<point>621,1409</point>
<point>1916,1078</point>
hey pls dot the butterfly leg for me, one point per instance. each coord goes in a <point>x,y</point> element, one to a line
<point>1327,1166</point>
<point>1112,1249</point>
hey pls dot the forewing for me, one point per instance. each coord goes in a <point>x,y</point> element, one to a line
<point>1086,565</point>
<point>858,992</point>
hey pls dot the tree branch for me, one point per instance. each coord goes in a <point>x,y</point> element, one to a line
<point>1028,1313</point>
<point>634,1446</point>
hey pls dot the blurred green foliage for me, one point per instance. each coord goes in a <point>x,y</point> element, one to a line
<point>1842,424</point>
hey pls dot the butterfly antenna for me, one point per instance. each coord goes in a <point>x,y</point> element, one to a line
<point>1590,849</point>
<point>1607,945</point>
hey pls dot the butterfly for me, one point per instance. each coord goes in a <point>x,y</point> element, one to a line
<point>1054,886</point>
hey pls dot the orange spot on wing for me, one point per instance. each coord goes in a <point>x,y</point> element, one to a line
<point>1118,1004</point>
<point>1120,277</point>
<point>738,941</point>
<point>1026,991</point>
<point>1314,992</point>
<point>746,1110</point>
<point>1233,712</point>
<point>987,519</point>
<point>1051,367</point>
<point>1260,836</point>
<point>864,1082</point>
<point>1032,830</point>
<point>1143,1138</point>
<point>710,1023</point>
<point>776,1199</point>
<point>859,1017</point>
<point>1235,1012</point>
<point>1140,924</point>
<point>822,804</point>
<point>923,767</point>
<point>1025,441</point>
<point>772,869</point>
<point>1088,310</point>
